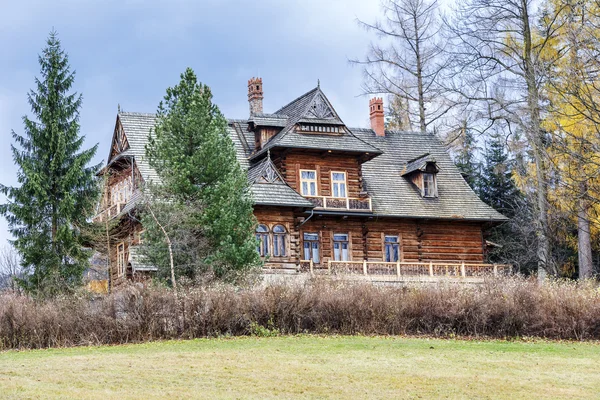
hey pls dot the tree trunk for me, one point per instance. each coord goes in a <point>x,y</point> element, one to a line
<point>170,247</point>
<point>584,243</point>
<point>421,96</point>
<point>534,134</point>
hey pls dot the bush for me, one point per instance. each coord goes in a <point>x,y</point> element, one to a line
<point>496,309</point>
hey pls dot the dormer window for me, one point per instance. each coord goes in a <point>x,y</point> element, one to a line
<point>429,185</point>
<point>422,172</point>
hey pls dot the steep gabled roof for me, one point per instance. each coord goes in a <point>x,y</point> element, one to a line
<point>269,187</point>
<point>393,195</point>
<point>136,127</point>
<point>314,107</point>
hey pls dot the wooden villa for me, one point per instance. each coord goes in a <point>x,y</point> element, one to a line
<point>327,197</point>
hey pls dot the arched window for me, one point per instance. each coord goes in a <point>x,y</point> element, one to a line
<point>279,234</point>
<point>262,234</point>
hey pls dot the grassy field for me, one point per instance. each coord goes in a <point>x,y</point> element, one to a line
<point>306,366</point>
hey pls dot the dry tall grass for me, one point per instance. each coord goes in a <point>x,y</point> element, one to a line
<point>497,309</point>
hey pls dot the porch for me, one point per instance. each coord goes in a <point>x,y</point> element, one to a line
<point>407,270</point>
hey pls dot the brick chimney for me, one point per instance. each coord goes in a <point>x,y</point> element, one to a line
<point>376,114</point>
<point>255,95</point>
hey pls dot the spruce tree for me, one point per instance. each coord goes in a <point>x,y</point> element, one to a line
<point>208,204</point>
<point>58,190</point>
<point>465,159</point>
<point>497,186</point>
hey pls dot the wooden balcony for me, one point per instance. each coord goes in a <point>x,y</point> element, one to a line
<point>408,270</point>
<point>109,213</point>
<point>346,203</point>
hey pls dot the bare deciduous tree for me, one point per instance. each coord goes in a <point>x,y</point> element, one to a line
<point>407,63</point>
<point>501,61</point>
<point>10,269</point>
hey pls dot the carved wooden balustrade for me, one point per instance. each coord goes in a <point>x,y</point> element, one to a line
<point>109,213</point>
<point>402,269</point>
<point>347,203</point>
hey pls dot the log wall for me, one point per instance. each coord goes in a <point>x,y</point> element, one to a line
<point>424,241</point>
<point>290,165</point>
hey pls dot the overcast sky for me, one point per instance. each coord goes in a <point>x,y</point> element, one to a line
<point>128,52</point>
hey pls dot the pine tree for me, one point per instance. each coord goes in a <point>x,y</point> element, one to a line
<point>497,187</point>
<point>202,183</point>
<point>465,158</point>
<point>58,190</point>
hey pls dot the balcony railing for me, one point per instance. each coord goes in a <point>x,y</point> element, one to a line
<point>109,213</point>
<point>345,203</point>
<point>401,269</point>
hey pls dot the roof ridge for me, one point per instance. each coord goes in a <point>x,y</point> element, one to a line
<point>136,113</point>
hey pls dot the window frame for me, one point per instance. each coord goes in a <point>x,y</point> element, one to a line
<point>263,246</point>
<point>121,262</point>
<point>309,181</point>
<point>395,243</point>
<point>424,191</point>
<point>279,241</point>
<point>340,243</point>
<point>311,247</point>
<point>334,182</point>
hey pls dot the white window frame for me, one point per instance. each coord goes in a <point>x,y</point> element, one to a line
<point>338,253</point>
<point>338,183</point>
<point>311,247</point>
<point>426,192</point>
<point>121,262</point>
<point>308,181</point>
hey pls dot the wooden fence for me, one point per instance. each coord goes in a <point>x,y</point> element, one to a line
<point>407,269</point>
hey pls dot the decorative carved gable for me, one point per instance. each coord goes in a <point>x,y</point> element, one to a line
<point>270,175</point>
<point>320,109</point>
<point>120,142</point>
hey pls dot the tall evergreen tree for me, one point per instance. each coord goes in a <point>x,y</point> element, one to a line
<point>58,190</point>
<point>202,182</point>
<point>465,158</point>
<point>497,187</point>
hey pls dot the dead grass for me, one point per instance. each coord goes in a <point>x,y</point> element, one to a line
<point>306,367</point>
<point>497,309</point>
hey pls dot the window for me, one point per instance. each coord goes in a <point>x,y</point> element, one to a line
<point>262,235</point>
<point>308,182</point>
<point>317,128</point>
<point>338,184</point>
<point>121,259</point>
<point>311,247</point>
<point>429,189</point>
<point>279,241</point>
<point>392,248</point>
<point>340,247</point>
<point>122,191</point>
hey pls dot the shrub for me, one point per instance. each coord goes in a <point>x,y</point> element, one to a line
<point>496,309</point>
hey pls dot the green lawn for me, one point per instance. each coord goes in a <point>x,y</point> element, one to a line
<point>306,366</point>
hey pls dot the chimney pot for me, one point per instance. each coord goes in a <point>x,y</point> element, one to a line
<point>377,116</point>
<point>255,95</point>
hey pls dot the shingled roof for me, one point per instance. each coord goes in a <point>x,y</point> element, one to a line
<point>269,187</point>
<point>137,127</point>
<point>392,194</point>
<point>314,107</point>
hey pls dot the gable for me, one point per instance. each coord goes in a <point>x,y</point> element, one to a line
<point>320,108</point>
<point>119,141</point>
